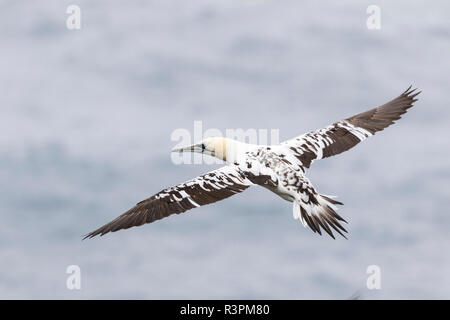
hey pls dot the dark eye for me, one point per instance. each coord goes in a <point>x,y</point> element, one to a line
<point>203,146</point>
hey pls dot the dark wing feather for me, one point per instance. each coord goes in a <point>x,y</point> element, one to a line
<point>208,188</point>
<point>345,134</point>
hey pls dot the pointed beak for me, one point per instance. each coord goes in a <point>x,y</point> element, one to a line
<point>192,148</point>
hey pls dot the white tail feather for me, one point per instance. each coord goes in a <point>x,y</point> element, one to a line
<point>297,214</point>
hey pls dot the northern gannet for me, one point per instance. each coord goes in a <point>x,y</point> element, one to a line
<point>279,168</point>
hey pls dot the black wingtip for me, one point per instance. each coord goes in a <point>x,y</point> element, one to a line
<point>409,92</point>
<point>89,236</point>
<point>409,88</point>
<point>86,236</point>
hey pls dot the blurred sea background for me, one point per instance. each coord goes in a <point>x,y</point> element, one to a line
<point>86,118</point>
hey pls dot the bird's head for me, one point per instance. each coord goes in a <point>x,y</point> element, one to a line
<point>216,147</point>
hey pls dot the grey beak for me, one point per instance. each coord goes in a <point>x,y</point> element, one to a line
<point>186,149</point>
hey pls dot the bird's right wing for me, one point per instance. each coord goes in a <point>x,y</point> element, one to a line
<point>208,188</point>
<point>345,134</point>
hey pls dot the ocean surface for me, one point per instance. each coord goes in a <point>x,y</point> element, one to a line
<point>86,118</point>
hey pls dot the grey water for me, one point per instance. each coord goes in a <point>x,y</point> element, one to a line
<point>86,118</point>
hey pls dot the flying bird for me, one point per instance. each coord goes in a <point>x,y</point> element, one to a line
<point>279,168</point>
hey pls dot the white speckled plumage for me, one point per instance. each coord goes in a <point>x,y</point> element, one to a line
<point>279,168</point>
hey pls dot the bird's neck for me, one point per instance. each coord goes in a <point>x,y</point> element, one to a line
<point>230,150</point>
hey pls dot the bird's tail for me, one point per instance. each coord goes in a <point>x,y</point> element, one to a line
<point>320,213</point>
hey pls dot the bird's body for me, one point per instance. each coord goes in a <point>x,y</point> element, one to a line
<point>279,168</point>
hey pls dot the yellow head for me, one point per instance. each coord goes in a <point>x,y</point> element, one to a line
<point>216,147</point>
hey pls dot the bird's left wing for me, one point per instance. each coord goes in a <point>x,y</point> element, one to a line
<point>208,188</point>
<point>345,134</point>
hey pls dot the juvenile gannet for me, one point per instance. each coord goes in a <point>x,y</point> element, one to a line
<point>279,168</point>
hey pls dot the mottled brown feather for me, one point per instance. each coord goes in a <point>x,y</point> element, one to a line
<point>372,121</point>
<point>155,208</point>
<point>383,116</point>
